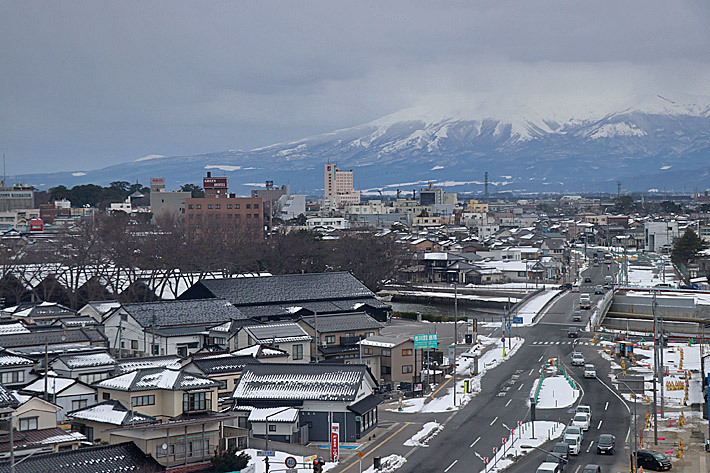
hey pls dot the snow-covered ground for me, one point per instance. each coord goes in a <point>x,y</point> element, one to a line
<point>469,297</point>
<point>532,308</point>
<point>522,436</point>
<point>512,285</point>
<point>389,464</point>
<point>421,438</point>
<point>277,462</point>
<point>556,393</point>
<point>489,360</point>
<point>649,276</point>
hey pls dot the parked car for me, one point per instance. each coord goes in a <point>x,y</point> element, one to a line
<point>606,444</point>
<point>573,332</point>
<point>561,449</point>
<point>577,359</point>
<point>582,420</point>
<point>592,469</point>
<point>653,460</point>
<point>577,316</point>
<point>590,371</point>
<point>573,443</point>
<point>574,430</point>
<point>549,467</point>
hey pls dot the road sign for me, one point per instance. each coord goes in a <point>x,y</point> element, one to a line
<point>452,354</point>
<point>360,454</point>
<point>517,320</point>
<point>508,324</point>
<point>265,453</point>
<point>502,339</point>
<point>427,340</point>
<point>290,462</point>
<point>310,458</point>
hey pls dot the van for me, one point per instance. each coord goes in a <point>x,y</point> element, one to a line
<point>584,301</point>
<point>574,444</point>
<point>653,460</point>
<point>549,467</point>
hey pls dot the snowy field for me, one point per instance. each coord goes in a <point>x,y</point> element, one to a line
<point>556,393</point>
<point>531,308</point>
<point>468,297</point>
<point>489,360</point>
<point>649,276</point>
<point>522,436</point>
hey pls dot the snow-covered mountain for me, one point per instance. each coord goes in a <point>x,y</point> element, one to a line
<point>657,143</point>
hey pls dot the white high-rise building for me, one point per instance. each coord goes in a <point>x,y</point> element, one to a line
<point>339,187</point>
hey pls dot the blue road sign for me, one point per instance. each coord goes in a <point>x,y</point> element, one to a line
<point>517,320</point>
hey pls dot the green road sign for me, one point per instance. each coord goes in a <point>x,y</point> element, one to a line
<point>425,341</point>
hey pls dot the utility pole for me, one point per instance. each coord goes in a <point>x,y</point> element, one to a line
<point>315,323</point>
<point>152,329</point>
<point>46,370</point>
<point>660,330</point>
<point>12,441</point>
<point>655,371</point>
<point>456,325</point>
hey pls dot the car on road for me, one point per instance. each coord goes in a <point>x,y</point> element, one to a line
<point>573,332</point>
<point>653,460</point>
<point>585,302</point>
<point>582,420</point>
<point>574,444</point>
<point>606,444</point>
<point>574,430</point>
<point>587,279</point>
<point>592,469</point>
<point>555,459</point>
<point>590,371</point>
<point>584,408</point>
<point>561,449</point>
<point>596,263</point>
<point>598,289</point>
<point>576,316</point>
<point>567,285</point>
<point>577,359</point>
<point>575,287</point>
<point>549,467</point>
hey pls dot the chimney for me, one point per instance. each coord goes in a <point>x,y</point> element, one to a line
<point>209,174</point>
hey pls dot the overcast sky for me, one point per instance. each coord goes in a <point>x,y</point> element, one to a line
<point>88,84</point>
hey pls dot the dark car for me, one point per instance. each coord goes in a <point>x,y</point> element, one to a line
<point>567,285</point>
<point>587,279</point>
<point>592,469</point>
<point>561,449</point>
<point>572,332</point>
<point>556,459</point>
<point>606,444</point>
<point>653,460</point>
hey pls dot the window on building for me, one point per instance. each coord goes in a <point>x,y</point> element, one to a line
<point>329,339</point>
<point>88,431</point>
<point>367,351</point>
<point>78,404</point>
<point>210,206</point>
<point>134,344</point>
<point>229,216</point>
<point>272,428</point>
<point>13,377</point>
<point>106,396</point>
<point>237,216</point>
<point>217,206</point>
<point>256,215</point>
<point>407,352</point>
<point>236,206</point>
<point>229,206</point>
<point>182,351</point>
<point>199,206</point>
<point>124,317</point>
<point>407,369</point>
<point>190,206</point>
<point>248,206</point>
<point>248,215</point>
<point>298,352</point>
<point>369,334</point>
<point>28,423</point>
<point>256,206</point>
<point>155,349</point>
<point>195,402</point>
<point>386,352</point>
<point>138,401</point>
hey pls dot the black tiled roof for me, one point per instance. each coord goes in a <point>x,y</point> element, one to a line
<point>109,458</point>
<point>7,400</point>
<point>222,364</point>
<point>343,322</point>
<point>366,404</point>
<point>183,312</point>
<point>286,288</point>
<point>53,336</point>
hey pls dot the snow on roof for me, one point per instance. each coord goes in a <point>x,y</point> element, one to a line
<point>278,333</point>
<point>7,329</point>
<point>274,414</point>
<point>172,362</point>
<point>55,385</point>
<point>383,342</point>
<point>254,351</point>
<point>110,412</point>
<point>9,359</point>
<point>21,398</point>
<point>156,378</point>
<point>67,437</point>
<point>91,359</point>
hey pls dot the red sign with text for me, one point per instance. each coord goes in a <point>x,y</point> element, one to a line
<point>335,442</point>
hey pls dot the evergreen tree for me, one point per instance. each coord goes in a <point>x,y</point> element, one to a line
<point>687,247</point>
<point>227,461</point>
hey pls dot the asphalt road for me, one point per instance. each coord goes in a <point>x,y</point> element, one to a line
<point>472,433</point>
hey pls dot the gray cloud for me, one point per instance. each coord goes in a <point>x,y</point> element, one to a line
<point>86,84</point>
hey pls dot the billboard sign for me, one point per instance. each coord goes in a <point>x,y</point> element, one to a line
<point>335,442</point>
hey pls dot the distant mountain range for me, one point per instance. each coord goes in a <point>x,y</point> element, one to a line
<point>658,144</point>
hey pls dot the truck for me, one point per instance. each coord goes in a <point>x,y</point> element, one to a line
<point>608,281</point>
<point>585,301</point>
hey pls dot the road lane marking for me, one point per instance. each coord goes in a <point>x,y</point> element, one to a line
<point>578,467</point>
<point>590,446</point>
<point>540,359</point>
<point>475,442</point>
<point>449,467</point>
<point>606,406</point>
<point>507,403</point>
<point>493,421</point>
<point>531,372</point>
<point>600,425</point>
<point>521,386</point>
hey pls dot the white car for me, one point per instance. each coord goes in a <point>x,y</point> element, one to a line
<point>577,359</point>
<point>582,420</point>
<point>590,371</point>
<point>574,443</point>
<point>584,408</point>
<point>574,430</point>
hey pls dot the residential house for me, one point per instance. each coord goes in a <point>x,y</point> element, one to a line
<point>281,423</point>
<point>322,392</point>
<point>33,413</point>
<point>338,335</point>
<point>39,313</point>
<point>86,367</point>
<point>289,296</point>
<point>94,421</point>
<point>167,327</point>
<point>97,310</point>
<point>161,392</point>
<point>122,457</point>
<point>224,367</point>
<point>35,340</point>
<point>132,364</point>
<point>263,353</point>
<point>15,369</point>
<point>289,337</point>
<point>398,360</point>
<point>69,394</point>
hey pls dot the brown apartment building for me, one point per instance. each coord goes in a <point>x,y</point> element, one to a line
<point>221,209</point>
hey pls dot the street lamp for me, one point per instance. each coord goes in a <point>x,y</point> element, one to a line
<point>266,422</point>
<point>562,459</point>
<point>456,337</point>
<point>632,425</point>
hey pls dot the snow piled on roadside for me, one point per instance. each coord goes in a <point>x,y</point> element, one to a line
<point>544,431</point>
<point>389,464</point>
<point>420,439</point>
<point>556,393</point>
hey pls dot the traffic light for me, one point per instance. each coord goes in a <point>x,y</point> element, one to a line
<point>318,464</point>
<point>475,325</point>
<point>608,266</point>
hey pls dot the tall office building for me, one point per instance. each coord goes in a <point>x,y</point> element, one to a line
<point>339,187</point>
